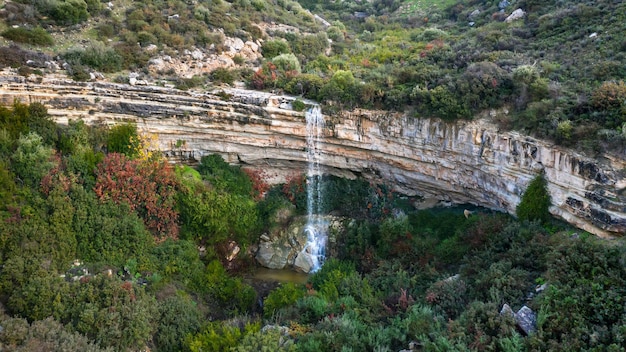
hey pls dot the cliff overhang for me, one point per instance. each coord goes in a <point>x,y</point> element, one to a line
<point>460,162</point>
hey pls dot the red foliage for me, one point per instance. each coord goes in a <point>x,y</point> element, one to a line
<point>259,186</point>
<point>57,176</point>
<point>294,185</point>
<point>149,187</point>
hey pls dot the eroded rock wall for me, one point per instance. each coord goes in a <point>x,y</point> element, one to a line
<point>462,162</point>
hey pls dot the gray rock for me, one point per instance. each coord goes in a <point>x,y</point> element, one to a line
<point>516,15</point>
<point>303,263</point>
<point>526,320</point>
<point>541,288</point>
<point>474,14</point>
<point>507,311</point>
<point>272,256</point>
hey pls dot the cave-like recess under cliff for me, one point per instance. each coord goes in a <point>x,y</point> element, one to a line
<point>462,162</point>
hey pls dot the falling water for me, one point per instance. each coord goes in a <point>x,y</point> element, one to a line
<point>316,227</point>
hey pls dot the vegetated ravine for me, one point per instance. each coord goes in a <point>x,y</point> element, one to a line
<point>458,162</point>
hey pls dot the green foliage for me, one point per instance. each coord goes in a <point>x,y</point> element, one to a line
<point>35,36</point>
<point>223,75</point>
<point>284,295</point>
<point>112,312</point>
<point>217,336</point>
<point>213,216</point>
<point>341,88</point>
<point>46,335</point>
<point>585,296</point>
<point>21,119</point>
<point>178,317</point>
<point>230,293</point>
<point>66,12</point>
<point>31,159</point>
<point>108,233</point>
<point>97,57</point>
<point>268,340</point>
<point>273,48</point>
<point>178,260</point>
<point>123,139</point>
<point>298,105</point>
<point>535,202</point>
<point>195,81</point>
<point>287,62</point>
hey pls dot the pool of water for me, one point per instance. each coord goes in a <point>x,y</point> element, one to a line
<point>273,275</point>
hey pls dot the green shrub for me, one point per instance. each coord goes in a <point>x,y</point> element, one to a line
<point>123,139</point>
<point>268,340</point>
<point>307,85</point>
<point>287,62</point>
<point>97,56</point>
<point>585,296</point>
<point>298,105</point>
<point>283,296</point>
<point>273,48</point>
<point>68,12</point>
<point>223,75</point>
<point>188,83</point>
<point>535,202</point>
<point>178,317</point>
<point>35,36</point>
<point>219,336</point>
<point>230,293</point>
<point>449,296</point>
<point>312,308</point>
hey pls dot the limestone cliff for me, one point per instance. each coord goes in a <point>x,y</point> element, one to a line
<point>462,162</point>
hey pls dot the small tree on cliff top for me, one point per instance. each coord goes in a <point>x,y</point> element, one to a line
<point>535,201</point>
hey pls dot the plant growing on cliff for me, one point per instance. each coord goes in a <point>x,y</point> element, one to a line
<point>535,201</point>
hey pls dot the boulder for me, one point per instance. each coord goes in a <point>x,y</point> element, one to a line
<point>507,311</point>
<point>516,15</point>
<point>272,256</point>
<point>526,320</point>
<point>285,246</point>
<point>304,262</point>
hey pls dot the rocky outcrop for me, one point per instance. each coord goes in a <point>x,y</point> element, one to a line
<point>285,247</point>
<point>462,162</point>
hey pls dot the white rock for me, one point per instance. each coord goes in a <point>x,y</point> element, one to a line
<point>474,14</point>
<point>516,15</point>
<point>197,54</point>
<point>234,45</point>
<point>157,61</point>
<point>252,45</point>
<point>593,35</point>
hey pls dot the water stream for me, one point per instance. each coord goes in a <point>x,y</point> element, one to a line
<point>316,227</point>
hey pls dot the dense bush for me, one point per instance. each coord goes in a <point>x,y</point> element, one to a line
<point>535,202</point>
<point>35,36</point>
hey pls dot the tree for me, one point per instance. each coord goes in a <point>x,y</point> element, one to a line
<point>148,187</point>
<point>31,159</point>
<point>124,139</point>
<point>535,201</point>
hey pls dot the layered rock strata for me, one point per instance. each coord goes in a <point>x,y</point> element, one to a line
<point>462,162</point>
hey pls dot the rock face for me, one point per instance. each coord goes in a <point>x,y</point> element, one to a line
<point>462,162</point>
<point>286,247</point>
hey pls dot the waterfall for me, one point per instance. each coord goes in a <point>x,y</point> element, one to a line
<point>316,227</point>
